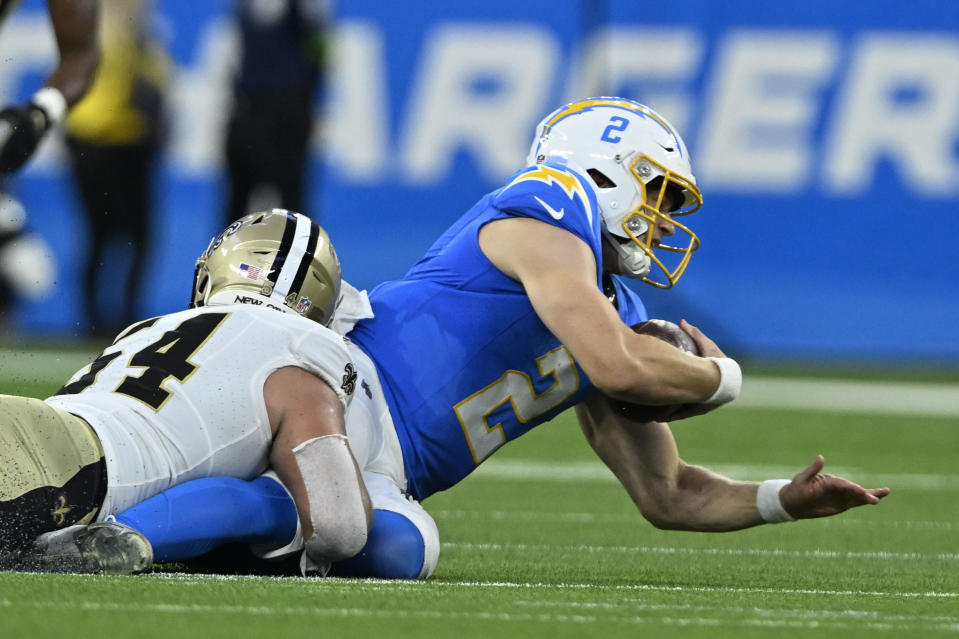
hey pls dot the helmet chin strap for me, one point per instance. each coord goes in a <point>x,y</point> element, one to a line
<point>631,260</point>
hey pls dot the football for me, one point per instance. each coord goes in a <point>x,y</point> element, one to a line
<point>672,334</point>
<point>668,332</point>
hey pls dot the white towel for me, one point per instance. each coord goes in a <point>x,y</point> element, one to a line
<point>352,307</point>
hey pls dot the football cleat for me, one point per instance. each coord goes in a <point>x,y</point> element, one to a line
<point>639,168</point>
<point>106,548</point>
<point>278,258</point>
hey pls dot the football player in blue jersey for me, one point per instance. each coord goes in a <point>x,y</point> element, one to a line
<point>517,313</point>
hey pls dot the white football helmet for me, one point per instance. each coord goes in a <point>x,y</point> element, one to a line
<point>278,259</point>
<point>626,149</point>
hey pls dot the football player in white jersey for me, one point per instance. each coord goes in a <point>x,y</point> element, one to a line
<point>249,377</point>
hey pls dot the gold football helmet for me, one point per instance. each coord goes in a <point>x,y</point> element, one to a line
<point>277,258</point>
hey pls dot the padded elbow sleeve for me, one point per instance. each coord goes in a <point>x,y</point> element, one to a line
<point>336,498</point>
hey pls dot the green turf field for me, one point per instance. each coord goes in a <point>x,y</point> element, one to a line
<point>542,542</point>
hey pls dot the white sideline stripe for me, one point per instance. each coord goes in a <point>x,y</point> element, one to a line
<point>423,586</point>
<point>563,471</point>
<point>733,552</point>
<point>835,395</point>
<point>846,396</point>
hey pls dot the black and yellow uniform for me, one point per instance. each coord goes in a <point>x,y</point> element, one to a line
<point>52,470</point>
<point>114,136</point>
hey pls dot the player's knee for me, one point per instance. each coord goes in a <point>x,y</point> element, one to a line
<point>401,552</point>
<point>397,548</point>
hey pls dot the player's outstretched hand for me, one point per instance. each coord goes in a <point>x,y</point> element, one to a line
<point>811,494</point>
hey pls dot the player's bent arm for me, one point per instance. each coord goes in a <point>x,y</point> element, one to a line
<point>312,457</point>
<point>75,24</point>
<point>669,493</point>
<point>558,271</point>
<point>674,495</point>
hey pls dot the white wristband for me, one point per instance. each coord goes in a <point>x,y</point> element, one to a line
<point>768,502</point>
<point>730,381</point>
<point>52,102</point>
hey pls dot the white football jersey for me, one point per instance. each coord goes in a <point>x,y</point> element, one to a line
<point>180,396</point>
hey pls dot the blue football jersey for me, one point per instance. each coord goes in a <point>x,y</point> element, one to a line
<point>465,363</point>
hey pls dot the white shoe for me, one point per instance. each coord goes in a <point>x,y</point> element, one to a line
<point>108,548</point>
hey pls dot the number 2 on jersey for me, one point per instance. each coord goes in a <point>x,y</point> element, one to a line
<point>515,387</point>
<point>167,357</point>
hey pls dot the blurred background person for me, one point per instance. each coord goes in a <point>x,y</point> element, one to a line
<point>114,136</point>
<point>422,105</point>
<point>23,126</point>
<point>26,262</point>
<point>267,142</point>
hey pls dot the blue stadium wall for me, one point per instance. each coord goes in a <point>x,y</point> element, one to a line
<point>825,136</point>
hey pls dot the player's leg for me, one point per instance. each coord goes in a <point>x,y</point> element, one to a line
<point>292,121</point>
<point>52,471</point>
<point>403,543</point>
<point>137,197</point>
<point>196,517</point>
<point>193,518</point>
<point>179,524</point>
<point>240,162</point>
<point>89,164</point>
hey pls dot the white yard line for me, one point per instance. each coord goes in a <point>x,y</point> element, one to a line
<point>373,585</point>
<point>640,604</point>
<point>628,612</point>
<point>540,549</point>
<point>708,589</point>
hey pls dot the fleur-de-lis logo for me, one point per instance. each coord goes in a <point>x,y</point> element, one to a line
<point>60,510</point>
<point>349,379</point>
